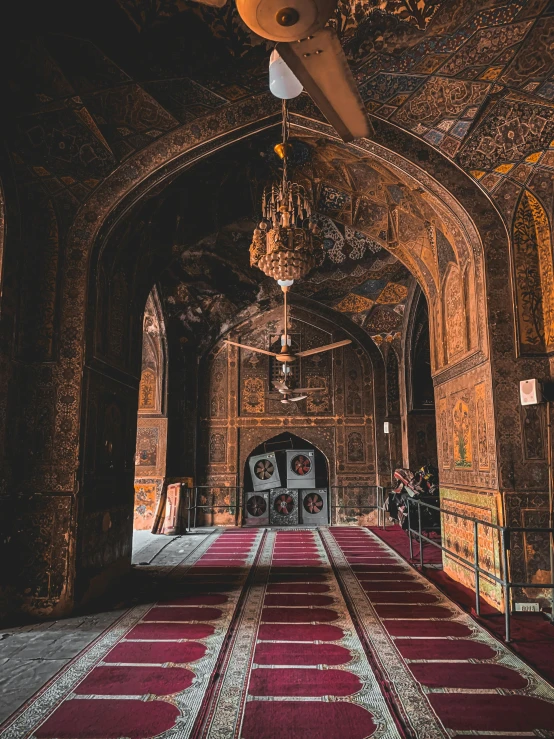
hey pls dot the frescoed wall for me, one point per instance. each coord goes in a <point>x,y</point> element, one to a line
<point>237,416</point>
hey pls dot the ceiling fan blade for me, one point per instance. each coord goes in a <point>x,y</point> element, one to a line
<point>321,66</point>
<point>309,389</point>
<point>250,348</point>
<point>326,348</point>
<point>281,385</point>
<point>213,3</point>
<point>297,398</point>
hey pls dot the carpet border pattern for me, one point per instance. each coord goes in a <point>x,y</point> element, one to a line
<point>35,711</point>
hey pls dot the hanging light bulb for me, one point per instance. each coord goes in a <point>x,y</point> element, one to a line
<point>282,82</point>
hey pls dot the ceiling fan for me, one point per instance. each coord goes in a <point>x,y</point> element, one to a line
<point>286,355</point>
<point>286,394</point>
<point>314,55</point>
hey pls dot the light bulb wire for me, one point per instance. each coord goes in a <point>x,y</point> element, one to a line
<point>285,137</point>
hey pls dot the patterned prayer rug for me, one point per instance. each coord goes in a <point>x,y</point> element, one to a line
<point>292,634</point>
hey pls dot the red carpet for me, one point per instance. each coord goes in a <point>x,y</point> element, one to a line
<point>299,670</point>
<point>150,669</point>
<point>320,634</point>
<point>463,669</point>
<point>532,633</point>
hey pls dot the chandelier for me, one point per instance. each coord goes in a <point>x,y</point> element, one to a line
<point>286,245</point>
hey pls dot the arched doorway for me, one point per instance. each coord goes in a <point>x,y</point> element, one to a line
<point>104,377</point>
<point>286,483</point>
<point>150,455</point>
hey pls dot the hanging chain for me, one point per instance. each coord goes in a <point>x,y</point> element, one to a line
<point>285,136</point>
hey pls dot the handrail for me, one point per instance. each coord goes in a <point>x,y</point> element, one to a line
<point>505,541</point>
<point>239,499</point>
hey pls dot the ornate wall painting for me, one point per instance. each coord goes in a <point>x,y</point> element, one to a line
<point>461,432</point>
<point>146,497</point>
<point>355,446</point>
<point>533,432</point>
<point>150,452</point>
<point>354,375</point>
<point>253,395</point>
<point>148,391</point>
<point>458,535</point>
<point>217,452</point>
<point>147,447</point>
<point>393,386</point>
<point>217,386</point>
<point>530,558</point>
<point>534,276</point>
<point>454,314</point>
<point>318,402</point>
<point>482,426</point>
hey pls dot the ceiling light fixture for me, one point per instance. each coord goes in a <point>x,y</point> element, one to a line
<point>282,82</point>
<point>286,245</point>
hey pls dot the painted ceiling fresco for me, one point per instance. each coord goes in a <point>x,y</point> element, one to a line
<point>474,79</point>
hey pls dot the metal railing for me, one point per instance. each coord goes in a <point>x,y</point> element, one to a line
<point>195,507</point>
<point>505,534</point>
<point>369,498</point>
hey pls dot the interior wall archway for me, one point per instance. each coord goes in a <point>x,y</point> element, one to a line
<point>236,416</point>
<point>151,444</point>
<point>101,216</point>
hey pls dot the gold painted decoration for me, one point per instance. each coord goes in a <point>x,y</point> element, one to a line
<point>253,395</point>
<point>454,314</point>
<point>147,391</point>
<point>354,304</point>
<point>534,276</point>
<point>482,426</point>
<point>393,293</point>
<point>463,452</point>
<point>443,434</point>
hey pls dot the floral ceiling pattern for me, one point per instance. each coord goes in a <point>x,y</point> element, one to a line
<point>210,285</point>
<point>473,79</point>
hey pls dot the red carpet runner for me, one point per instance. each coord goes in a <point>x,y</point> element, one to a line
<point>293,634</point>
<point>149,673</point>
<point>474,684</point>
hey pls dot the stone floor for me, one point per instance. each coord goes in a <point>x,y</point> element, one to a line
<point>31,655</point>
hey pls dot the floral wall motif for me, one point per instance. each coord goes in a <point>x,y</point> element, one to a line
<point>444,433</point>
<point>459,536</point>
<point>345,374</point>
<point>534,276</point>
<point>454,313</point>
<point>461,428</point>
<point>466,430</point>
<point>217,448</point>
<point>482,429</point>
<point>147,391</point>
<point>355,447</point>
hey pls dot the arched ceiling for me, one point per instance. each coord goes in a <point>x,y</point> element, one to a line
<point>209,285</point>
<point>91,85</point>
